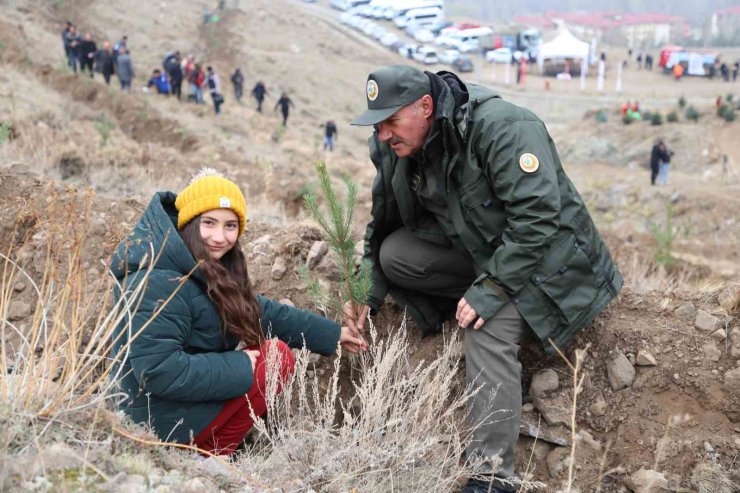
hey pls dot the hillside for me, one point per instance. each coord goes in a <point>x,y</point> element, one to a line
<point>662,381</point>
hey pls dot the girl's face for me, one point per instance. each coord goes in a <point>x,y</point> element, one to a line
<point>219,229</point>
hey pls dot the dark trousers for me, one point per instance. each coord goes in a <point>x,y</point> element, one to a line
<point>106,77</point>
<point>177,88</point>
<point>259,104</point>
<point>217,102</point>
<point>654,169</point>
<point>285,117</point>
<point>86,63</point>
<point>491,352</point>
<point>73,60</point>
<point>238,93</point>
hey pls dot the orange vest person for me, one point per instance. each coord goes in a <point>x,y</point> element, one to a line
<point>678,71</point>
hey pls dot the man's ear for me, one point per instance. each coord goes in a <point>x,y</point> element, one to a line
<point>427,106</point>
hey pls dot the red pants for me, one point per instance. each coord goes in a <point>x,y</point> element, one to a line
<point>226,432</point>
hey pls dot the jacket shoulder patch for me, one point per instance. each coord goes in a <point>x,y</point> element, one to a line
<point>529,162</point>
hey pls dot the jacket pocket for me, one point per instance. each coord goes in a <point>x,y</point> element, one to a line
<point>568,279</point>
<point>484,211</point>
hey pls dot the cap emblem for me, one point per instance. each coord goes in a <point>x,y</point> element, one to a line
<point>372,90</point>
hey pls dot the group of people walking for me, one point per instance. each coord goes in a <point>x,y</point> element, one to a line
<point>83,55</point>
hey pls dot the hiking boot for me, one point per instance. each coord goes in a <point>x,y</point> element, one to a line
<point>481,486</point>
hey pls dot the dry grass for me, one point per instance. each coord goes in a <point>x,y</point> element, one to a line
<point>644,274</point>
<point>401,430</point>
<point>55,371</point>
<point>711,477</point>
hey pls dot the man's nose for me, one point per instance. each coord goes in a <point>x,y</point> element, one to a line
<point>383,133</point>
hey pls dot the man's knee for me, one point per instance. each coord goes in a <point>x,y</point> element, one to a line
<point>394,258</point>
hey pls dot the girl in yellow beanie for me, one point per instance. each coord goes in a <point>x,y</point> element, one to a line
<point>178,364</point>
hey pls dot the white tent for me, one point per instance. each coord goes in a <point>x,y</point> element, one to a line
<point>565,45</point>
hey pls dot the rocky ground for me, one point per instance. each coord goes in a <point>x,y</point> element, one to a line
<point>661,390</point>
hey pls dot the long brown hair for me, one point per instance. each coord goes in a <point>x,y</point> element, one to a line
<point>228,286</point>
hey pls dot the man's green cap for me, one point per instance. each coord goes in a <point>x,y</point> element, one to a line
<point>391,88</point>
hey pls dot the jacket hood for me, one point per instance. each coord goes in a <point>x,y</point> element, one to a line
<point>155,232</point>
<point>454,101</point>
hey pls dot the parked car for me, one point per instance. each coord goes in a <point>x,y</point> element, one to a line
<point>448,56</point>
<point>463,63</point>
<point>389,39</point>
<point>425,55</point>
<point>500,55</point>
<point>424,36</point>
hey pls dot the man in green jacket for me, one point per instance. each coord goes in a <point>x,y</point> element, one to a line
<point>473,215</point>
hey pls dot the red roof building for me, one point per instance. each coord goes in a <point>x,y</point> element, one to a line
<point>724,26</point>
<point>636,30</point>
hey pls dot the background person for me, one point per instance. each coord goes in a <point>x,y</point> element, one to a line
<point>259,92</point>
<point>88,48</point>
<point>124,69</point>
<point>284,103</point>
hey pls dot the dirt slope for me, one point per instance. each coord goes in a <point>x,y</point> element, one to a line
<point>83,134</point>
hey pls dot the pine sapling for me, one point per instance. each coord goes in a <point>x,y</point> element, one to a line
<point>336,222</point>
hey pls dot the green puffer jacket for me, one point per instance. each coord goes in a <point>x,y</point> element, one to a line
<point>528,231</point>
<point>181,368</point>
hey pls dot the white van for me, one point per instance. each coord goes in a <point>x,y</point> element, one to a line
<point>348,4</point>
<point>420,17</point>
<point>425,55</point>
<point>400,8</point>
<point>463,40</point>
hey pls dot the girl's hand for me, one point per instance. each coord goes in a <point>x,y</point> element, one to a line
<point>351,343</point>
<point>253,355</point>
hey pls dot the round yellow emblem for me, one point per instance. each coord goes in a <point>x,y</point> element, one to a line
<point>372,90</point>
<point>529,162</point>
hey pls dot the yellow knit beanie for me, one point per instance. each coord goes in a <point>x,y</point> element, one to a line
<point>209,190</point>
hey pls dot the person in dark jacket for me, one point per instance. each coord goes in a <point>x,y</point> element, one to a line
<point>214,86</point>
<point>655,155</point>
<point>176,356</point>
<point>474,217</point>
<point>284,103</point>
<point>87,53</point>
<point>104,62</point>
<point>72,47</point>
<point>124,69</point>
<point>259,92</point>
<point>237,80</point>
<point>664,163</point>
<point>174,70</point>
<point>65,42</point>
<point>330,133</point>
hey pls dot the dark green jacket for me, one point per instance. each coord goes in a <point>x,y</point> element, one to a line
<point>181,368</point>
<point>530,236</point>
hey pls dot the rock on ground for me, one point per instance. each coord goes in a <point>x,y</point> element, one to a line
<point>705,321</point>
<point>647,481</point>
<point>621,372</point>
<point>317,252</point>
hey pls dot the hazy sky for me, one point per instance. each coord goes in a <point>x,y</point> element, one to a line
<point>696,11</point>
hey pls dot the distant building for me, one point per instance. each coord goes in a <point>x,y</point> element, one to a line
<point>724,27</point>
<point>639,31</point>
